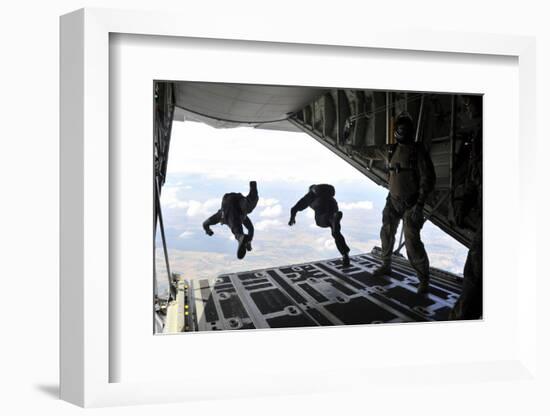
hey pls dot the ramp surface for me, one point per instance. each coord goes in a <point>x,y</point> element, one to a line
<point>320,293</point>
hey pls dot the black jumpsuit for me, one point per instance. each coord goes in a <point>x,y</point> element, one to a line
<point>234,212</point>
<point>320,198</point>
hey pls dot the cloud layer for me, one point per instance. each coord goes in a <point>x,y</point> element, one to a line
<point>251,154</point>
<point>356,205</point>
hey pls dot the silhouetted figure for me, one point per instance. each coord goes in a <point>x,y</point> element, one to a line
<point>467,207</point>
<point>320,198</point>
<point>411,179</point>
<point>234,213</point>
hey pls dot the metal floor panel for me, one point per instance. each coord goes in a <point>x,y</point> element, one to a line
<point>319,293</point>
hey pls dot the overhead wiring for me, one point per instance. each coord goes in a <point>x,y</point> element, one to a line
<point>226,120</point>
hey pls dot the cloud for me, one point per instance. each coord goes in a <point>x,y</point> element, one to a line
<point>360,247</point>
<point>192,207</point>
<point>186,234</point>
<point>325,244</point>
<point>169,198</point>
<point>179,185</point>
<point>268,224</point>
<point>248,154</point>
<point>272,211</point>
<point>207,207</point>
<point>356,205</point>
<point>267,202</point>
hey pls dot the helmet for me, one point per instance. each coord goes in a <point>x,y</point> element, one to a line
<point>404,128</point>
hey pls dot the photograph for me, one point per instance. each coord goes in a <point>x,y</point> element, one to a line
<point>239,208</point>
<point>298,206</point>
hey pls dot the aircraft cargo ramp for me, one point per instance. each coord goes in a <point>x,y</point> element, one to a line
<point>320,293</point>
<point>358,127</point>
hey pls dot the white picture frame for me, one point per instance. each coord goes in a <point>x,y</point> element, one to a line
<point>87,356</point>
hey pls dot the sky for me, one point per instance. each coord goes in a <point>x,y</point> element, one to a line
<point>205,163</point>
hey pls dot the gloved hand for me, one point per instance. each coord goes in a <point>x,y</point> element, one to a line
<point>417,213</point>
<point>292,221</point>
<point>208,231</point>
